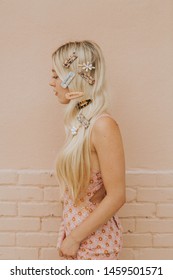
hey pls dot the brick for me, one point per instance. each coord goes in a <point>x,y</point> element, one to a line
<point>40,177</point>
<point>165,210</point>
<point>7,239</point>
<point>49,178</point>
<point>165,180</point>
<point>20,193</point>
<point>50,224</point>
<point>137,210</point>
<point>49,254</point>
<point>10,253</point>
<point>8,177</point>
<point>19,224</point>
<point>137,240</point>
<point>128,224</point>
<point>155,194</point>
<point>36,239</point>
<point>40,209</point>
<point>29,178</point>
<point>130,194</point>
<point>126,254</point>
<point>163,240</point>
<point>52,194</point>
<point>141,180</point>
<point>8,209</point>
<point>155,254</point>
<point>154,225</point>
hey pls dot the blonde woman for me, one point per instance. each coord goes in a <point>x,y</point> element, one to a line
<point>90,168</point>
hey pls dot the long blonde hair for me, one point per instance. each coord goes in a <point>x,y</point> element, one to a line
<point>72,164</point>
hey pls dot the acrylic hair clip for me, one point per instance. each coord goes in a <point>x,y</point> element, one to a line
<point>81,118</point>
<point>73,95</point>
<point>70,60</point>
<point>83,103</point>
<point>86,66</point>
<point>87,77</point>
<point>83,122</point>
<point>67,80</point>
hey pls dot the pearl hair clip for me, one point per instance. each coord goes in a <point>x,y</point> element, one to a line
<point>86,66</point>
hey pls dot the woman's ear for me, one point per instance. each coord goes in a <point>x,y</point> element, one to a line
<point>73,95</point>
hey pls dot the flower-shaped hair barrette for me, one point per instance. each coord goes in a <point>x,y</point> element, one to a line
<point>86,66</point>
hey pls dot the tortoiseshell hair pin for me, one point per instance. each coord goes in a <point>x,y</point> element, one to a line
<point>70,60</point>
<point>83,103</point>
<point>87,77</point>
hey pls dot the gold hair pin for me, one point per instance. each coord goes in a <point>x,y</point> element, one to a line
<point>70,60</point>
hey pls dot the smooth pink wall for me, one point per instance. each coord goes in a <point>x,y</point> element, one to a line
<point>137,41</point>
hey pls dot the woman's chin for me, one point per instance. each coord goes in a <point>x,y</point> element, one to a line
<point>63,101</point>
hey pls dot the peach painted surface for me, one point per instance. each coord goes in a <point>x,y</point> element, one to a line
<point>137,41</point>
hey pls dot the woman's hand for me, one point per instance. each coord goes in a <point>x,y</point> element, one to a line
<point>69,247</point>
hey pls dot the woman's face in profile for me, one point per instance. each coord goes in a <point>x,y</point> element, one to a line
<point>60,92</point>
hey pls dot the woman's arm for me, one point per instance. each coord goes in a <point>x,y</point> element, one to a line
<point>108,143</point>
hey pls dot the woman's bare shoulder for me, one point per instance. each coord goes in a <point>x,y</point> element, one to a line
<point>104,123</point>
<point>105,129</point>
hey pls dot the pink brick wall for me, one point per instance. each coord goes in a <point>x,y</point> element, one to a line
<point>30,213</point>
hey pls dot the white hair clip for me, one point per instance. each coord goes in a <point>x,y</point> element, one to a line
<point>86,66</point>
<point>74,130</point>
<point>67,80</point>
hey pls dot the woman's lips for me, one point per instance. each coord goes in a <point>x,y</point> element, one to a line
<point>56,93</point>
